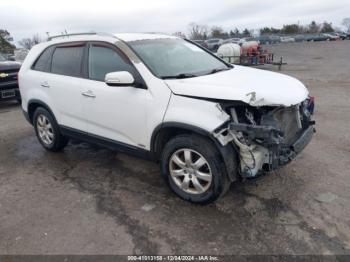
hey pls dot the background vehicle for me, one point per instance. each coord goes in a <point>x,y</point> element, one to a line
<point>8,80</point>
<point>213,44</point>
<point>163,98</point>
<point>275,39</point>
<point>268,39</point>
<point>299,38</point>
<point>238,41</point>
<point>8,57</point>
<point>20,54</point>
<point>342,35</point>
<point>201,42</point>
<point>316,37</point>
<point>331,36</point>
<point>249,38</point>
<point>287,39</point>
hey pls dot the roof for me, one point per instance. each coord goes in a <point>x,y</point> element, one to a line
<point>127,37</point>
<point>90,36</point>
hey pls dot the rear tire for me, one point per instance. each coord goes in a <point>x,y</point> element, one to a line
<point>192,167</point>
<point>47,131</point>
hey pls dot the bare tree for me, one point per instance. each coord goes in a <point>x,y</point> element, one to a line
<point>327,27</point>
<point>179,34</point>
<point>28,43</point>
<point>346,23</point>
<point>218,32</point>
<point>198,32</point>
<point>313,28</point>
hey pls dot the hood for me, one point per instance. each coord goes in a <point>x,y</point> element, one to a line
<point>9,65</point>
<point>253,86</point>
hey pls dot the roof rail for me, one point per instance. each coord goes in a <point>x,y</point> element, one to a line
<point>73,34</point>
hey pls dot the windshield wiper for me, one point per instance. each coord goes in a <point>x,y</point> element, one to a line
<point>179,76</point>
<point>218,70</point>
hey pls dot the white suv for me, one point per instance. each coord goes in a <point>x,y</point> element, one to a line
<point>167,99</point>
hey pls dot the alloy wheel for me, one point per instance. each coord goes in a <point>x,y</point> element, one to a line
<point>45,130</point>
<point>190,171</point>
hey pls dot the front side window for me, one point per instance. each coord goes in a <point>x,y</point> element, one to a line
<point>176,58</point>
<point>67,60</point>
<point>104,60</point>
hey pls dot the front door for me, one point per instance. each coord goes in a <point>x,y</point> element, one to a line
<point>117,113</point>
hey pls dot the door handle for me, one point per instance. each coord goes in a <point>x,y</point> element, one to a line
<point>45,84</point>
<point>88,93</point>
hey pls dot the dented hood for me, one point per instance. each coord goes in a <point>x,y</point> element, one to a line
<point>253,86</point>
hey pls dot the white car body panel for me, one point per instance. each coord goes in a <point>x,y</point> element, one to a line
<point>117,112</point>
<point>135,37</point>
<point>252,86</point>
<point>157,101</point>
<point>27,82</point>
<point>125,110</point>
<point>130,115</point>
<point>136,112</point>
<point>195,112</point>
<point>67,100</point>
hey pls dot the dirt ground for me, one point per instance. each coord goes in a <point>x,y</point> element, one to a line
<point>88,200</point>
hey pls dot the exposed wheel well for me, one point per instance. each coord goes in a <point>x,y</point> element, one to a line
<point>165,132</point>
<point>164,135</point>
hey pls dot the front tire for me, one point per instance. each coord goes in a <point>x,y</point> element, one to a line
<point>192,167</point>
<point>47,131</point>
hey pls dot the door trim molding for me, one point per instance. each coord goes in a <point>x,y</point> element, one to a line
<point>107,143</point>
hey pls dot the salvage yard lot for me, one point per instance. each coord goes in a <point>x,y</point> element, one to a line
<point>88,200</point>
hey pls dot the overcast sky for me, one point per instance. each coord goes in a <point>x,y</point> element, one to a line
<point>23,18</point>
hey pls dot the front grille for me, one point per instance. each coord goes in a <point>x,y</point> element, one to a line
<point>8,75</point>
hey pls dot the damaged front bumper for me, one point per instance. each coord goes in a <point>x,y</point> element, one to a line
<point>263,147</point>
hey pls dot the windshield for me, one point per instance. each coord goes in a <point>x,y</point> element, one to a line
<point>176,58</point>
<point>2,58</point>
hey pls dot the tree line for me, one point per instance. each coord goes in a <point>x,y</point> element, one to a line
<point>202,32</point>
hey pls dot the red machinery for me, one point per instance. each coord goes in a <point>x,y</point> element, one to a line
<point>251,54</point>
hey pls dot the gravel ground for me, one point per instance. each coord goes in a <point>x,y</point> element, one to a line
<point>88,200</point>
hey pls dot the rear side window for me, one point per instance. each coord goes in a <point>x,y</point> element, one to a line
<point>67,60</point>
<point>103,60</point>
<point>44,61</point>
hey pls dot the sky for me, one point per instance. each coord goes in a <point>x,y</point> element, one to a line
<point>23,18</point>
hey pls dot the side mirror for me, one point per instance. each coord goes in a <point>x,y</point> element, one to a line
<point>122,78</point>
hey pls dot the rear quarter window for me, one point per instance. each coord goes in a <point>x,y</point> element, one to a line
<point>43,63</point>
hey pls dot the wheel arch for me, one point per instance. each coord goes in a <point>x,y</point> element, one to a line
<point>165,131</point>
<point>33,104</point>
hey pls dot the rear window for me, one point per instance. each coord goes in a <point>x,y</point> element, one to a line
<point>44,61</point>
<point>67,60</point>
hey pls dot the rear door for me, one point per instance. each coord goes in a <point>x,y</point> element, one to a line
<point>65,84</point>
